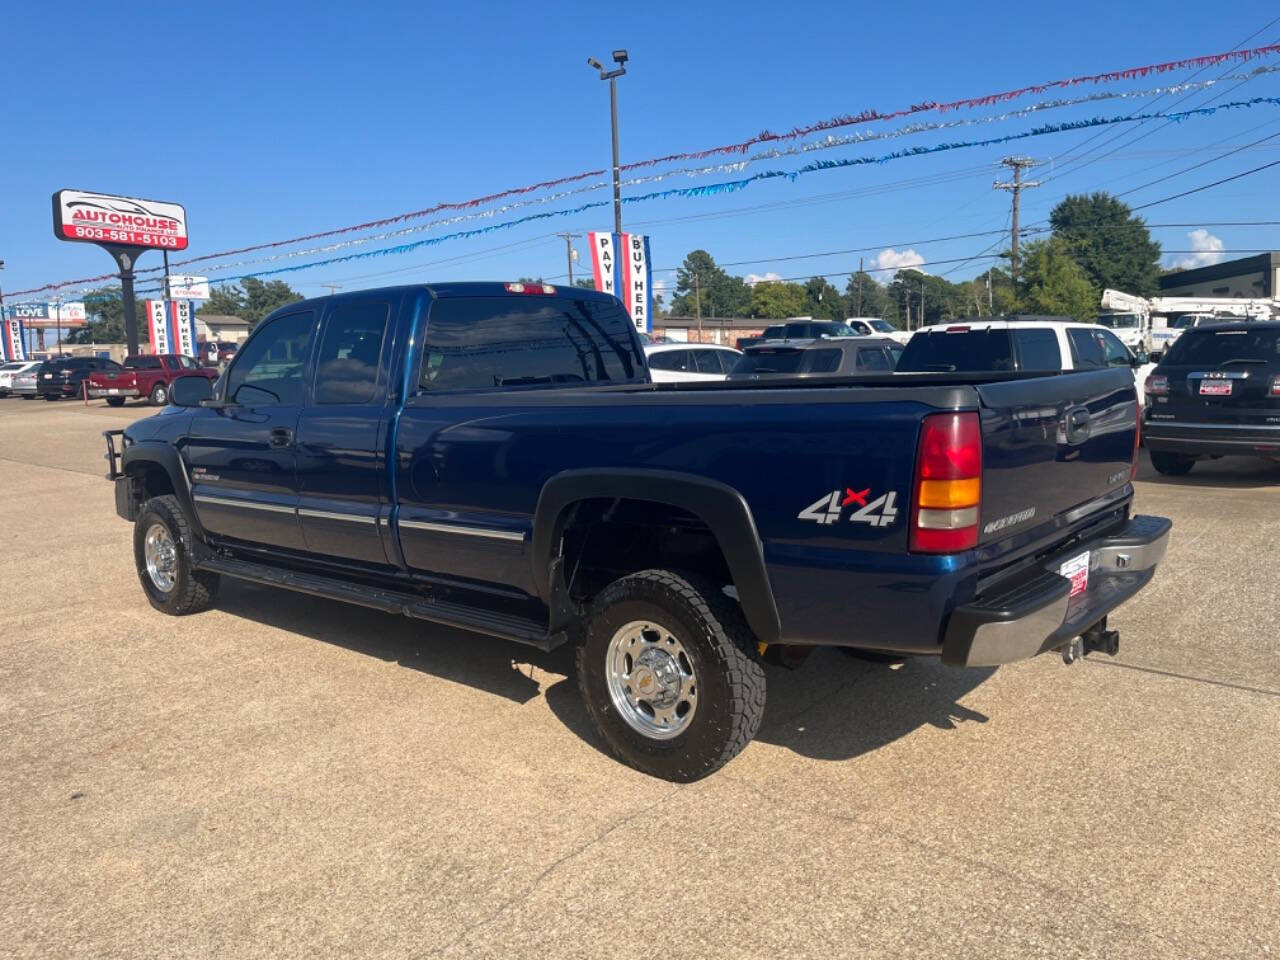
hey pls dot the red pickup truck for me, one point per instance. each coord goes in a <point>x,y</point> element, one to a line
<point>145,376</point>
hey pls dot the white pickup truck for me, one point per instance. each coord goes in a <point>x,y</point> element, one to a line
<point>1031,344</point>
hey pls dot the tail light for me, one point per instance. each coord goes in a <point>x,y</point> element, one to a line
<point>1157,385</point>
<point>1275,387</point>
<point>948,484</point>
<point>537,289</point>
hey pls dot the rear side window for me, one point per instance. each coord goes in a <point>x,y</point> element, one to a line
<point>484,342</point>
<point>769,361</point>
<point>669,360</point>
<point>873,360</point>
<point>707,361</point>
<point>1086,348</point>
<point>1212,347</point>
<point>1038,350</point>
<point>821,361</point>
<point>350,348</point>
<point>269,368</point>
<point>961,351</point>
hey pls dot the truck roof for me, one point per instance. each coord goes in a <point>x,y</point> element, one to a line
<point>468,288</point>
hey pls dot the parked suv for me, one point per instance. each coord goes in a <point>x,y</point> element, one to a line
<point>1215,393</point>
<point>674,362</point>
<point>65,376</point>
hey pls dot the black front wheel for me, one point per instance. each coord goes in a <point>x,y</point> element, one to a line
<point>115,401</point>
<point>1172,464</point>
<point>162,541</point>
<point>670,675</point>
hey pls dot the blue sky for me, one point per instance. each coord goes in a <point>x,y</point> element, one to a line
<point>271,120</point>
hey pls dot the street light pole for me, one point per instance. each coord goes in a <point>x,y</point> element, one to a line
<point>620,58</point>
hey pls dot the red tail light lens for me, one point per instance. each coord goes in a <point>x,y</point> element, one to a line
<point>1275,387</point>
<point>948,484</point>
<point>1157,385</point>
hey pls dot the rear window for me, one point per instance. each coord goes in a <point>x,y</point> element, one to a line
<point>142,363</point>
<point>1211,347</point>
<point>669,360</point>
<point>874,359</point>
<point>484,342</point>
<point>769,361</point>
<point>969,351</point>
<point>821,361</point>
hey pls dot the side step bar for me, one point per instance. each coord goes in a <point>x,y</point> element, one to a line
<point>450,614</point>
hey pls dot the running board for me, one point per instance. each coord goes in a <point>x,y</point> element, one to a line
<point>506,626</point>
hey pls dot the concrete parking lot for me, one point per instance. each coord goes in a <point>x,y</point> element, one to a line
<point>285,776</point>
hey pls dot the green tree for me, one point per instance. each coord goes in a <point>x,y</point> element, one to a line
<point>941,299</point>
<point>720,293</point>
<point>976,300</point>
<point>774,300</point>
<point>587,283</point>
<point>865,297</point>
<point>823,301</point>
<point>252,299</point>
<point>104,315</point>
<point>1112,246</point>
<point>1052,282</point>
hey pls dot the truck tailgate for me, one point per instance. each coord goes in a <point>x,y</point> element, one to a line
<point>1052,445</point>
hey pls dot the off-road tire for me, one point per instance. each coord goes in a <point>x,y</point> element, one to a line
<point>159,395</point>
<point>1171,464</point>
<point>722,649</point>
<point>193,590</point>
<point>115,401</point>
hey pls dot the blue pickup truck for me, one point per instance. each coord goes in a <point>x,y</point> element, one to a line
<point>494,457</point>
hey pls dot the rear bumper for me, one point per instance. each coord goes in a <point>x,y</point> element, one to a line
<point>1040,614</point>
<point>1211,439</point>
<point>58,389</point>
<point>96,392</point>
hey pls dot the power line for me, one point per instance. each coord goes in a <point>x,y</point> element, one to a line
<point>1208,186</point>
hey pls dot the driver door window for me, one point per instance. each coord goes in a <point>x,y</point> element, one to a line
<point>1116,353</point>
<point>269,370</point>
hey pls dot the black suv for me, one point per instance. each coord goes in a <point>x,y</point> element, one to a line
<point>65,376</point>
<point>1215,393</point>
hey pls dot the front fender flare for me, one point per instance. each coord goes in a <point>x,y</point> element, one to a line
<point>718,505</point>
<point>142,456</point>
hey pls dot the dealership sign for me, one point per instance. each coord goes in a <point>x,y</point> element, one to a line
<point>172,326</point>
<point>48,315</point>
<point>620,266</point>
<point>188,288</point>
<point>12,339</point>
<point>119,221</point>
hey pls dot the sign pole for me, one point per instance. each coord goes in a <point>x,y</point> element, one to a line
<point>124,257</point>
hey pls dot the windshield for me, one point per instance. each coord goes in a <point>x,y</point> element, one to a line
<point>882,326</point>
<point>1119,321</point>
<point>1214,347</point>
<point>768,361</point>
<point>975,351</point>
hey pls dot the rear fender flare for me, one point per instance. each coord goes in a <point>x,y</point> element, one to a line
<point>140,457</point>
<point>718,505</point>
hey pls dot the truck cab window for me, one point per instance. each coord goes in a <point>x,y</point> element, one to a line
<point>347,364</point>
<point>1038,350</point>
<point>480,343</point>
<point>1086,349</point>
<point>269,368</point>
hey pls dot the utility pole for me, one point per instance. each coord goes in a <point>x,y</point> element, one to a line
<point>922,303</point>
<point>568,251</point>
<point>1016,186</point>
<point>697,301</point>
<point>991,308</point>
<point>331,287</point>
<point>859,287</point>
<point>620,58</point>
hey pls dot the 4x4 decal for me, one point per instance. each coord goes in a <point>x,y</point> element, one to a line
<point>879,512</point>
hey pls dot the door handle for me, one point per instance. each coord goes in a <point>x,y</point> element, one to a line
<point>280,437</point>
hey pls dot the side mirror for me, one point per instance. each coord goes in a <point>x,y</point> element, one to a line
<point>1140,358</point>
<point>189,391</point>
